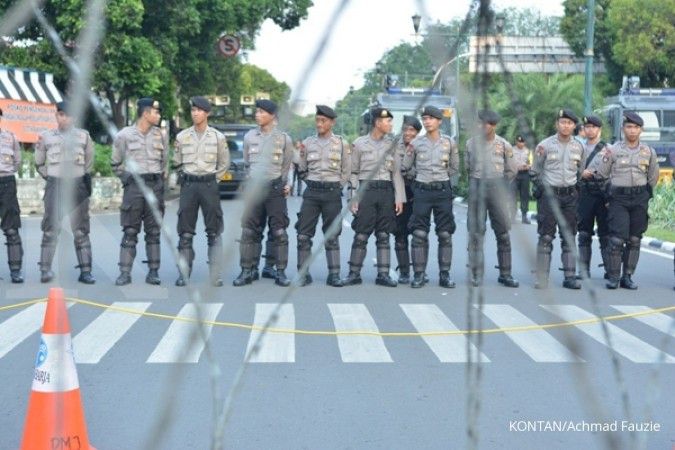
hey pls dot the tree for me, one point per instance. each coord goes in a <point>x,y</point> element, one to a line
<point>634,38</point>
<point>160,48</point>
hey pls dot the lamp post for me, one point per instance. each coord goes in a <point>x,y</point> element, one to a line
<point>588,53</point>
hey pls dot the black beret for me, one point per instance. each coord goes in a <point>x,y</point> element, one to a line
<point>520,138</point>
<point>377,113</point>
<point>432,111</point>
<point>489,116</point>
<point>147,102</point>
<point>201,103</point>
<point>62,106</point>
<point>568,114</point>
<point>632,117</point>
<point>412,121</point>
<point>266,105</point>
<point>593,120</point>
<point>326,111</point>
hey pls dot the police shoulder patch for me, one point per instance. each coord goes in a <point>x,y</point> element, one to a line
<point>541,150</point>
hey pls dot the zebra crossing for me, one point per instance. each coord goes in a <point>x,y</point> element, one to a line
<point>180,343</point>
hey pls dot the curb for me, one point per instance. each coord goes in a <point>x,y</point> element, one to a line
<point>647,242</point>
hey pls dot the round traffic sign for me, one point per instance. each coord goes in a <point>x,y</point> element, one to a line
<point>229,45</point>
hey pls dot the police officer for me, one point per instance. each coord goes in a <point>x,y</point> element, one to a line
<point>269,154</point>
<point>409,131</point>
<point>591,208</point>
<point>201,157</point>
<point>434,158</point>
<point>374,158</point>
<point>521,184</point>
<point>632,170</point>
<point>145,145</point>
<point>491,166</point>
<point>10,215</point>
<point>324,162</point>
<point>557,164</point>
<point>65,152</point>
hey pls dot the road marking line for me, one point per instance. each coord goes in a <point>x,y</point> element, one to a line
<point>538,344</point>
<point>623,342</point>
<point>662,322</point>
<point>429,317</point>
<point>19,327</point>
<point>361,349</point>
<point>92,343</point>
<point>182,342</point>
<point>273,348</point>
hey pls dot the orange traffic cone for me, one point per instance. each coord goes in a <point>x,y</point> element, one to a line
<point>55,418</point>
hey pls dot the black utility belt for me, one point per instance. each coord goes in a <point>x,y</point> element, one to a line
<point>592,186</point>
<point>379,184</point>
<point>628,190</point>
<point>150,176</point>
<point>198,178</point>
<point>60,179</point>
<point>522,172</point>
<point>323,185</point>
<point>7,179</point>
<point>432,186</point>
<point>563,190</point>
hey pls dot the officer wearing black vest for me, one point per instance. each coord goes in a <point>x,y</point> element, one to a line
<point>324,163</point>
<point>201,157</point>
<point>435,158</point>
<point>591,209</point>
<point>10,215</point>
<point>409,131</point>
<point>632,170</point>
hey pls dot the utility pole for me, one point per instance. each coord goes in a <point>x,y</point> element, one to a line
<point>588,53</point>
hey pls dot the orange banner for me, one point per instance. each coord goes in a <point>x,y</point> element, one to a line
<point>27,119</point>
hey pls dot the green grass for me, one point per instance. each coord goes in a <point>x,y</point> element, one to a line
<point>661,234</point>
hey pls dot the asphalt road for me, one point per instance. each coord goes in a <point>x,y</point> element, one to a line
<point>349,392</point>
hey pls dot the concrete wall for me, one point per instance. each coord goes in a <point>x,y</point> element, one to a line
<point>106,195</point>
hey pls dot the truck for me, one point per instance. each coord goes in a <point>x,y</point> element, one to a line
<point>657,109</point>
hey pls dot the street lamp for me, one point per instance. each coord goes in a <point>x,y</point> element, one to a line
<point>416,22</point>
<point>500,21</point>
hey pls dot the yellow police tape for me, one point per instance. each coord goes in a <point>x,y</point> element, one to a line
<point>251,327</point>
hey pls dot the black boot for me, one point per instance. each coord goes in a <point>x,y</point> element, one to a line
<point>83,252</point>
<point>544,249</point>
<point>571,283</point>
<point>631,254</point>
<point>181,281</point>
<point>244,278</point>
<point>504,261</point>
<point>306,280</point>
<point>444,279</point>
<point>281,279</point>
<point>525,220</point>
<point>123,279</point>
<point>46,257</point>
<point>86,277</point>
<point>418,280</point>
<point>215,255</point>
<point>353,278</point>
<point>404,277</point>
<point>269,272</point>
<point>508,281</point>
<point>403,258</point>
<point>334,280</point>
<point>585,242</point>
<point>14,255</point>
<point>153,277</point>
<point>383,279</point>
<point>627,283</point>
<point>614,266</point>
<point>16,276</point>
<point>46,276</point>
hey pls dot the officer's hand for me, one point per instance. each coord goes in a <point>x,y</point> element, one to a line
<point>287,190</point>
<point>355,207</point>
<point>586,174</point>
<point>398,207</point>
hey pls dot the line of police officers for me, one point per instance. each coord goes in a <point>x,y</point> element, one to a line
<point>587,184</point>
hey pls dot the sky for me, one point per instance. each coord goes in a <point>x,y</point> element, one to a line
<point>365,31</point>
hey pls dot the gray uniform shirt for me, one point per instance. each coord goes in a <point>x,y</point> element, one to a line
<point>401,149</point>
<point>52,159</point>
<point>521,156</point>
<point>494,160</point>
<point>10,154</point>
<point>629,167</point>
<point>326,159</point>
<point>201,155</point>
<point>271,152</point>
<point>557,163</point>
<point>432,160</point>
<point>376,159</point>
<point>149,151</point>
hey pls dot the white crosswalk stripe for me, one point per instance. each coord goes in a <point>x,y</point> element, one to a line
<point>663,323</point>
<point>623,342</point>
<point>451,348</point>
<point>92,343</point>
<point>538,344</point>
<point>358,348</point>
<point>182,342</point>
<point>273,347</point>
<point>20,326</point>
